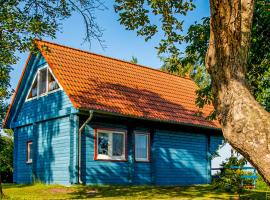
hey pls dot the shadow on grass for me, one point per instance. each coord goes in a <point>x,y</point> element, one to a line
<point>12,185</point>
<point>42,191</point>
<point>146,192</point>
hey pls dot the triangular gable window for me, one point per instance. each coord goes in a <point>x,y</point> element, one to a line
<point>33,91</point>
<point>52,83</point>
<point>44,83</point>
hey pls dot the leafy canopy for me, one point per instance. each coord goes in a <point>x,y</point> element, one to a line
<point>140,16</point>
<point>6,155</point>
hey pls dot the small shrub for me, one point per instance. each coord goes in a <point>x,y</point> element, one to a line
<point>261,185</point>
<point>230,179</point>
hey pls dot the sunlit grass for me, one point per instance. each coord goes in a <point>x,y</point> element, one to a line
<point>41,191</point>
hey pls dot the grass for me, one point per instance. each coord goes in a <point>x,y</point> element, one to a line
<point>41,191</point>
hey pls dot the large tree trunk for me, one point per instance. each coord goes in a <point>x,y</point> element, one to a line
<point>245,124</point>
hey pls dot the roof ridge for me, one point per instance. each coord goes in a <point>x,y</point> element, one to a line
<point>112,58</point>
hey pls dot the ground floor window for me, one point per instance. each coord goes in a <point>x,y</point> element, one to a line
<point>142,141</point>
<point>110,145</point>
<point>29,152</point>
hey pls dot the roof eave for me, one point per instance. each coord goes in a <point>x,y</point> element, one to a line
<point>153,120</point>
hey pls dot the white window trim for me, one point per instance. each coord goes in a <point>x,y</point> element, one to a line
<point>148,147</point>
<point>47,92</point>
<point>28,152</point>
<point>110,156</point>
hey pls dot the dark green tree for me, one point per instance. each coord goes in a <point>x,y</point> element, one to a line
<point>6,155</point>
<point>244,122</point>
<point>134,60</point>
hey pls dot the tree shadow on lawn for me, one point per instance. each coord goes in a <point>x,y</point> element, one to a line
<point>13,185</point>
<point>148,192</point>
<point>137,192</point>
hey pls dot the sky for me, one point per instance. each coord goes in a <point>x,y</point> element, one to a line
<point>119,42</point>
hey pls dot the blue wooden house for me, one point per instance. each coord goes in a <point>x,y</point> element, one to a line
<point>80,117</point>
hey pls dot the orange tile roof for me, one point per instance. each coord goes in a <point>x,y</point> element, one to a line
<point>106,84</point>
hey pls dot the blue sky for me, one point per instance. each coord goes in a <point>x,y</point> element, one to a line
<point>120,43</point>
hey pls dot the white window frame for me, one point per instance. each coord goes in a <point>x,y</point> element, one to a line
<point>47,84</point>
<point>110,148</point>
<point>148,147</point>
<point>28,159</point>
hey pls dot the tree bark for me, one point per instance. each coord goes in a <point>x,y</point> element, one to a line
<point>245,123</point>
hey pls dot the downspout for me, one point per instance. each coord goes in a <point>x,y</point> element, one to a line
<point>91,112</point>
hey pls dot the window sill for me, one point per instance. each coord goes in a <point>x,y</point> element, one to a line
<point>43,95</point>
<point>110,160</point>
<point>143,161</point>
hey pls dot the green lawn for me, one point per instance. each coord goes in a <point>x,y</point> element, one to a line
<point>40,191</point>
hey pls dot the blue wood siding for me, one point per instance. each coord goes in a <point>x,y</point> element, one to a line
<point>180,158</point>
<point>48,121</point>
<point>53,105</point>
<point>54,152</point>
<point>100,172</point>
<point>215,142</point>
<point>142,173</point>
<point>23,171</point>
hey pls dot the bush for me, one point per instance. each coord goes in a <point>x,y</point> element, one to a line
<point>6,158</point>
<point>261,185</point>
<point>230,179</point>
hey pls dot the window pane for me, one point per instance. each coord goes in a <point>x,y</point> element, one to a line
<point>118,144</point>
<point>103,143</point>
<point>30,151</point>
<point>141,146</point>
<point>52,84</point>
<point>42,81</point>
<point>33,92</point>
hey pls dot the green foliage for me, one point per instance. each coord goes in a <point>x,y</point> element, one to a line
<point>134,60</point>
<point>261,185</point>
<point>6,155</point>
<point>259,56</point>
<point>5,91</point>
<point>137,15</point>
<point>230,179</point>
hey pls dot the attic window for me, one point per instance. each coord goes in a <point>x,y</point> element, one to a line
<point>44,83</point>
<point>52,84</point>
<point>42,89</point>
